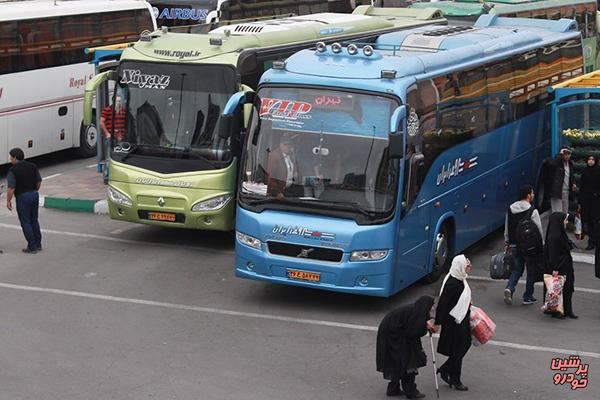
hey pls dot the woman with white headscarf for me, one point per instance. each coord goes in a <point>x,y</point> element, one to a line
<point>453,314</point>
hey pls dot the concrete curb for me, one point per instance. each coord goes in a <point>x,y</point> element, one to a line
<point>99,207</point>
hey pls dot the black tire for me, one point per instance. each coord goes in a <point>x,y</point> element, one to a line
<point>442,257</point>
<point>88,140</point>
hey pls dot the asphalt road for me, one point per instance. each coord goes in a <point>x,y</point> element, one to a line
<point>116,311</point>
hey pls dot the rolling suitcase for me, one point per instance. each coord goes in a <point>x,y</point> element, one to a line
<point>500,265</point>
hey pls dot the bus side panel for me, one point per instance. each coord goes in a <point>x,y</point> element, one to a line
<point>44,106</point>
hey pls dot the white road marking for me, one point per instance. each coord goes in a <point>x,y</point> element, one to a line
<point>583,258</point>
<point>123,229</point>
<point>522,281</point>
<point>120,240</point>
<point>218,311</point>
<point>51,176</point>
<point>91,166</point>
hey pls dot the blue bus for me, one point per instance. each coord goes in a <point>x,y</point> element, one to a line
<point>367,167</point>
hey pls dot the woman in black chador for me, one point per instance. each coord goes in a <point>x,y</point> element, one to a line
<point>453,314</point>
<point>399,349</point>
<point>558,259</point>
<point>589,198</point>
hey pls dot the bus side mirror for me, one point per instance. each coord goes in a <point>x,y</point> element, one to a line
<point>396,145</point>
<point>237,100</point>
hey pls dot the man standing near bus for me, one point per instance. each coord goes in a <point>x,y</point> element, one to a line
<point>116,117</point>
<point>561,183</point>
<point>24,182</point>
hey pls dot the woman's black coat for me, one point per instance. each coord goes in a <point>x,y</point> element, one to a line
<point>455,339</point>
<point>399,339</point>
<point>558,250</point>
<point>589,197</point>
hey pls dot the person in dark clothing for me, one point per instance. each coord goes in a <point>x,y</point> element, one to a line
<point>399,349</point>
<point>559,260</point>
<point>561,183</point>
<point>453,313</point>
<point>589,198</point>
<point>597,252</point>
<point>523,208</point>
<point>24,181</point>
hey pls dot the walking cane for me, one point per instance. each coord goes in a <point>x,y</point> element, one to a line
<point>437,386</point>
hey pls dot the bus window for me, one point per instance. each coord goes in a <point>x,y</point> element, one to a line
<point>471,113</point>
<point>553,13</point>
<point>567,12</point>
<point>572,59</point>
<point>119,27</point>
<point>525,90</point>
<point>42,45</point>
<point>591,20</point>
<point>499,81</point>
<point>79,32</point>
<point>9,47</point>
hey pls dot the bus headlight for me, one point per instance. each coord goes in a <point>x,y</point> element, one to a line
<point>368,255</point>
<point>119,198</point>
<point>213,204</point>
<point>248,240</point>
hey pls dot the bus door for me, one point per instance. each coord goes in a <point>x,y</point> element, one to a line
<point>414,243</point>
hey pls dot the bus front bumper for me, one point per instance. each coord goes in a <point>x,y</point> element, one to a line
<point>218,220</point>
<point>371,278</point>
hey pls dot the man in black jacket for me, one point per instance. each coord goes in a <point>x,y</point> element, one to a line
<point>561,180</point>
<point>24,181</point>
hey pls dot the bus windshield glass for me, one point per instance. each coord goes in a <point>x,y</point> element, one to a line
<point>321,149</point>
<point>174,111</point>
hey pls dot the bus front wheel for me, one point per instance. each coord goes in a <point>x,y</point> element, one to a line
<point>88,140</point>
<point>441,255</point>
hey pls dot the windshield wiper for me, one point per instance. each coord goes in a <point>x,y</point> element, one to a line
<point>255,200</point>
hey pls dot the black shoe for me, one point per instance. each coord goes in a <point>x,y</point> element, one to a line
<point>415,395</point>
<point>572,315</point>
<point>393,389</point>
<point>529,301</point>
<point>461,387</point>
<point>29,251</point>
<point>558,316</point>
<point>39,248</point>
<point>444,375</point>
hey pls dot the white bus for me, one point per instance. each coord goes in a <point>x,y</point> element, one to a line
<point>43,68</point>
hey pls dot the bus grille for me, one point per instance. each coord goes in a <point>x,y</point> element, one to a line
<point>307,252</point>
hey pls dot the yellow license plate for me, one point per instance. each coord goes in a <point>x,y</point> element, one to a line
<point>159,216</point>
<point>303,275</point>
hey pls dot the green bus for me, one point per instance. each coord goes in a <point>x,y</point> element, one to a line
<point>176,162</point>
<point>583,11</point>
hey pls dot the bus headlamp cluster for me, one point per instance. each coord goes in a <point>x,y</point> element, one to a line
<point>368,255</point>
<point>119,198</point>
<point>214,204</point>
<point>248,240</point>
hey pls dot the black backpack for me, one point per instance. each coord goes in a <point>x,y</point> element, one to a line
<point>529,238</point>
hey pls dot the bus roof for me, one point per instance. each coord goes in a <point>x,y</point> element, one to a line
<point>224,44</point>
<point>422,52</point>
<point>473,8</point>
<point>30,9</point>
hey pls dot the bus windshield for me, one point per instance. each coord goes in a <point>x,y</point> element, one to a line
<point>174,111</point>
<point>321,149</point>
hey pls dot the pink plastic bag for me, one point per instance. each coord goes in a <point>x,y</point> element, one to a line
<point>554,288</point>
<point>482,326</point>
